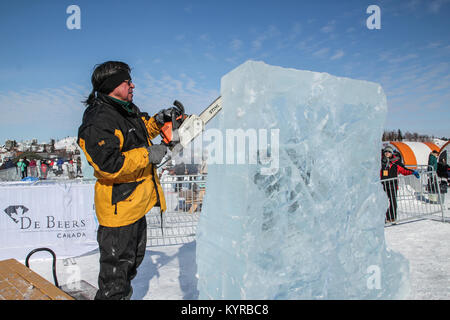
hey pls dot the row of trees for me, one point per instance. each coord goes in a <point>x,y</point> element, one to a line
<point>397,135</point>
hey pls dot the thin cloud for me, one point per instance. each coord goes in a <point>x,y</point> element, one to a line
<point>339,54</point>
<point>57,112</point>
<point>435,6</point>
<point>43,112</point>
<point>412,5</point>
<point>403,58</point>
<point>329,27</point>
<point>153,94</point>
<point>271,32</point>
<point>321,52</point>
<point>236,44</point>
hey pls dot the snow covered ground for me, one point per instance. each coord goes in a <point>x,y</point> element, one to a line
<point>425,244</point>
<point>168,272</point>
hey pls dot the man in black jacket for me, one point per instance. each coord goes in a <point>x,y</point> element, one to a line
<point>116,139</point>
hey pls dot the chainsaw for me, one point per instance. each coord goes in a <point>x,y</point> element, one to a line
<point>178,133</point>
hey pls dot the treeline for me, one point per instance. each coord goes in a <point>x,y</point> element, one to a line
<point>397,135</point>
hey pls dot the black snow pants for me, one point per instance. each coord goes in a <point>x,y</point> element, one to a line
<point>122,250</point>
<point>391,212</point>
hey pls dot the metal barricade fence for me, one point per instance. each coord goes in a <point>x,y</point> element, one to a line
<point>411,198</point>
<point>184,198</point>
<point>46,173</point>
<point>10,174</point>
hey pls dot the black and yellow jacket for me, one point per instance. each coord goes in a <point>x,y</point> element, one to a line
<point>114,137</point>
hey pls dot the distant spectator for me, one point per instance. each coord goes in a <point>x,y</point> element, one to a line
<point>432,182</point>
<point>443,169</point>
<point>8,164</point>
<point>192,169</point>
<point>433,161</point>
<point>180,170</point>
<point>27,164</point>
<point>204,167</point>
<point>60,163</point>
<point>79,171</point>
<point>44,170</point>
<point>22,168</point>
<point>390,168</point>
<point>33,171</point>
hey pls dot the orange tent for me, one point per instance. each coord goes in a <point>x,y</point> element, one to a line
<point>414,153</point>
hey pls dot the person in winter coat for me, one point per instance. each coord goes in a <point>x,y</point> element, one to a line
<point>79,172</point>
<point>21,166</point>
<point>432,181</point>
<point>44,169</point>
<point>433,161</point>
<point>115,137</point>
<point>391,167</point>
<point>60,163</point>
<point>443,169</point>
<point>33,172</point>
<point>8,164</point>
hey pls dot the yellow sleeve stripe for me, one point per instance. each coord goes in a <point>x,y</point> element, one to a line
<point>152,128</point>
<point>135,159</point>
<point>119,135</point>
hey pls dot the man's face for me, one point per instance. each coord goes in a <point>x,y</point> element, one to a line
<point>124,91</point>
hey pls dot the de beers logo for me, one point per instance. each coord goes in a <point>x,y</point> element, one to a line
<point>16,212</point>
<point>48,223</point>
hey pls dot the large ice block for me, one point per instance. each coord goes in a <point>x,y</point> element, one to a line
<point>306,220</point>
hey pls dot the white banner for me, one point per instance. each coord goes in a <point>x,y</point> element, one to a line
<point>57,215</point>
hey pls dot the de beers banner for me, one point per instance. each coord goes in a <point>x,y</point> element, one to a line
<point>55,215</point>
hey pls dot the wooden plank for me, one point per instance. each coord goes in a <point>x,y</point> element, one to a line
<point>17,282</point>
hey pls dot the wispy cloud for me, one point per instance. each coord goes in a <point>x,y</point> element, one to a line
<point>153,93</point>
<point>403,58</point>
<point>270,33</point>
<point>57,112</point>
<point>236,44</point>
<point>339,54</point>
<point>412,5</point>
<point>329,27</point>
<point>321,52</point>
<point>45,112</point>
<point>435,6</point>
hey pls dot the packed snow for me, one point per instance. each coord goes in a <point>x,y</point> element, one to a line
<point>169,269</point>
<point>169,272</point>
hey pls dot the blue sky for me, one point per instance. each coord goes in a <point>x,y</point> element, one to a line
<point>181,49</point>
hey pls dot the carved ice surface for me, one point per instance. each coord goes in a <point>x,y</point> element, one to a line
<point>314,228</point>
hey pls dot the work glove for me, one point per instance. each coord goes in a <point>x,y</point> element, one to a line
<point>156,153</point>
<point>165,115</point>
<point>416,173</point>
